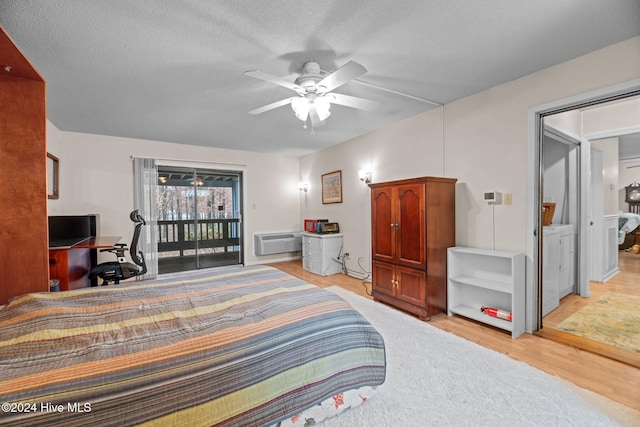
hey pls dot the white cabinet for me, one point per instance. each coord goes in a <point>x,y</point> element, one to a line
<point>484,278</point>
<point>550,271</point>
<point>320,253</point>
<point>558,265</point>
<point>567,262</point>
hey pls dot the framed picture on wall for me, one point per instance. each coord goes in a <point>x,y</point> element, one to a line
<point>332,187</point>
<point>53,166</point>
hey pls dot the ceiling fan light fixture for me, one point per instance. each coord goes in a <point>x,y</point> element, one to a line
<point>322,105</point>
<point>300,107</point>
<point>314,88</point>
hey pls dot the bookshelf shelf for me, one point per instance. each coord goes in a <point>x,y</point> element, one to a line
<point>481,277</point>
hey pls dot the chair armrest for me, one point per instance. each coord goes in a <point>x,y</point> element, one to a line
<point>119,248</point>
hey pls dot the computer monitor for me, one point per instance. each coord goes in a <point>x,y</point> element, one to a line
<point>66,230</point>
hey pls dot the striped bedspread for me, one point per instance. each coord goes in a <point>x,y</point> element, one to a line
<point>227,346</point>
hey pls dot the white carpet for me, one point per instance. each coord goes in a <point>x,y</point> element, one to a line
<point>435,378</point>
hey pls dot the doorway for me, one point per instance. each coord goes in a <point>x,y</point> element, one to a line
<point>561,220</point>
<point>535,196</point>
<point>588,222</point>
<point>199,215</point>
<point>605,320</point>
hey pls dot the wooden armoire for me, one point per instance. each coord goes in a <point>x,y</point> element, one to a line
<point>24,243</point>
<point>412,225</point>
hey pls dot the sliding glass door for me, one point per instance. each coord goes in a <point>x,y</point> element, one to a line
<point>199,218</point>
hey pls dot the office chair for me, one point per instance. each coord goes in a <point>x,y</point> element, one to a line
<point>121,270</point>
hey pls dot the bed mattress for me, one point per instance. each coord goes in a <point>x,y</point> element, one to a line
<point>226,346</point>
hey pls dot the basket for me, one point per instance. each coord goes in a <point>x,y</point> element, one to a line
<point>548,209</point>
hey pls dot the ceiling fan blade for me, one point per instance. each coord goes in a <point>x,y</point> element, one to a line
<point>273,105</point>
<point>342,75</point>
<point>353,102</point>
<point>275,80</point>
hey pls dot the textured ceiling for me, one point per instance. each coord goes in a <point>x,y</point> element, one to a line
<point>173,71</point>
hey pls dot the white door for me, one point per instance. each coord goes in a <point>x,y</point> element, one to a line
<point>596,217</point>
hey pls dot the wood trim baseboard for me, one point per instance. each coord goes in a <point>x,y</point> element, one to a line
<point>592,346</point>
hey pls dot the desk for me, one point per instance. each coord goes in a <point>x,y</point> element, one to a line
<point>98,242</point>
<point>71,264</point>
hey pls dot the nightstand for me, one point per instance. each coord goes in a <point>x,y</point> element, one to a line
<point>320,253</point>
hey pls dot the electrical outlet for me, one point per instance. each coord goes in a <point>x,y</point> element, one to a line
<point>508,198</point>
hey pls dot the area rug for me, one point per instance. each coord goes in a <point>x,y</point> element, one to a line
<point>612,319</point>
<point>435,378</point>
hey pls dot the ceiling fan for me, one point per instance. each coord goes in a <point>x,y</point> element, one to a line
<point>314,88</point>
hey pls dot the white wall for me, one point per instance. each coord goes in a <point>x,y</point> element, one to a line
<point>495,122</point>
<point>54,141</point>
<point>557,173</point>
<point>96,176</point>
<point>569,122</point>
<point>621,115</point>
<point>610,179</point>
<point>618,117</point>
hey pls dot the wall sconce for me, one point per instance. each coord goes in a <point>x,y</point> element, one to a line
<point>365,176</point>
<point>303,186</point>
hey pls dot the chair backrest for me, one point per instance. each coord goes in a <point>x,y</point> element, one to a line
<point>136,256</point>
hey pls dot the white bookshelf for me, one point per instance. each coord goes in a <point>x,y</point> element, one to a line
<point>482,277</point>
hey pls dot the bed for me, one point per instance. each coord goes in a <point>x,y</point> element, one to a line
<point>628,224</point>
<point>227,346</point>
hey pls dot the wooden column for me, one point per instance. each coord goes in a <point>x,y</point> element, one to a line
<point>24,238</point>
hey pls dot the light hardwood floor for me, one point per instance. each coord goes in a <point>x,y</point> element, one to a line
<point>616,380</point>
<point>625,282</point>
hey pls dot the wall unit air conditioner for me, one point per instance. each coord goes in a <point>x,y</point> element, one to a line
<point>277,243</point>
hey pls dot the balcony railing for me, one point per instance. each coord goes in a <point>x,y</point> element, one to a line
<point>181,235</point>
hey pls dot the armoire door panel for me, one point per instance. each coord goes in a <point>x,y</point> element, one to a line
<point>411,232</point>
<point>383,229</point>
<point>411,286</point>
<point>383,278</point>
